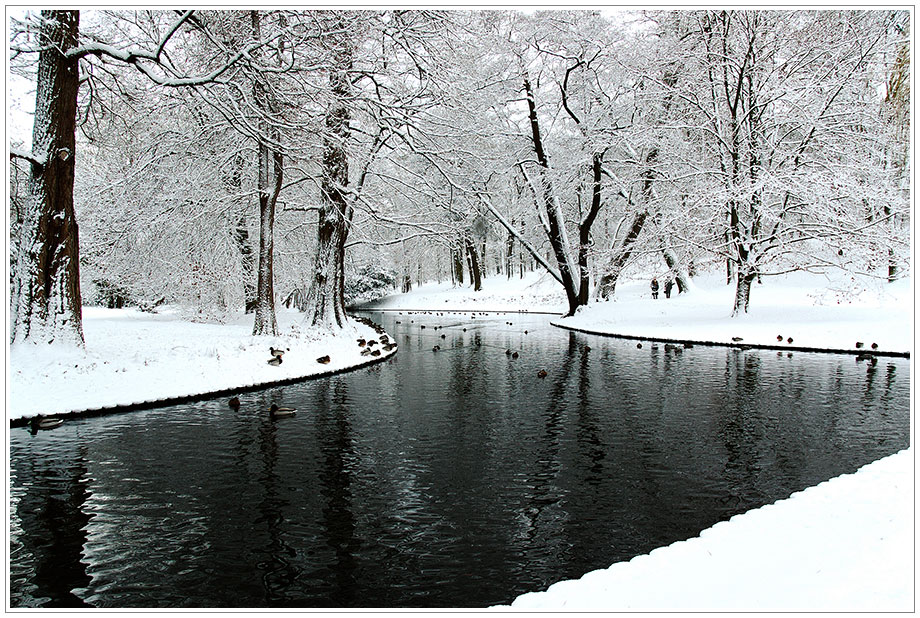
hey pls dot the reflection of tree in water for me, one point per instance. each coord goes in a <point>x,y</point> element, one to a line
<point>53,525</point>
<point>544,515</point>
<point>738,430</point>
<point>278,571</point>
<point>336,472</point>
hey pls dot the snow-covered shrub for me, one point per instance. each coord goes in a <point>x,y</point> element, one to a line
<point>368,283</point>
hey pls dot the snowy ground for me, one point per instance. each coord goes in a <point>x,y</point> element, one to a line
<point>814,310</point>
<point>843,545</point>
<point>535,292</point>
<point>133,357</point>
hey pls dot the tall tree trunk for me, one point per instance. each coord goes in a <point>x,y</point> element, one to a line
<point>475,265</point>
<point>746,277</point>
<point>509,254</point>
<point>556,226</point>
<point>45,297</point>
<point>240,234</point>
<point>326,297</point>
<point>247,261</point>
<point>456,256</point>
<point>271,173</point>
<point>584,228</point>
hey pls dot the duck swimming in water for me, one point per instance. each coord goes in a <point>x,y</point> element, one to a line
<point>275,412</point>
<point>40,422</point>
<point>234,403</point>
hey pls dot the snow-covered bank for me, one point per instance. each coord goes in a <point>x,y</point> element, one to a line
<point>844,545</point>
<point>133,357</point>
<point>812,311</point>
<point>536,291</point>
<point>815,311</point>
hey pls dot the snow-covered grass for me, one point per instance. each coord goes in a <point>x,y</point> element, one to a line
<point>133,357</point>
<point>814,310</point>
<point>843,545</point>
<point>536,291</point>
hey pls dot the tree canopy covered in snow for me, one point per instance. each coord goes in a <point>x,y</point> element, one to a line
<point>225,159</point>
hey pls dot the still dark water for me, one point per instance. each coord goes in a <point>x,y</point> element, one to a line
<point>455,478</point>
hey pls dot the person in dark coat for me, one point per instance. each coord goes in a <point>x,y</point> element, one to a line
<point>667,288</point>
<point>654,288</point>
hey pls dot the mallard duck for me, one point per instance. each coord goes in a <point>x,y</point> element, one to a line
<point>362,342</point>
<point>371,342</point>
<point>384,339</point>
<point>275,361</point>
<point>542,373</point>
<point>436,348</point>
<point>276,352</point>
<point>323,360</point>
<point>789,340</point>
<point>234,403</point>
<point>375,353</point>
<point>737,339</point>
<point>639,346</point>
<point>779,338</point>
<point>874,346</point>
<point>366,352</point>
<point>40,422</point>
<point>859,344</point>
<point>507,352</point>
<point>275,412</point>
<point>514,355</point>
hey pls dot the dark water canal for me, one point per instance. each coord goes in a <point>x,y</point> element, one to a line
<point>456,478</point>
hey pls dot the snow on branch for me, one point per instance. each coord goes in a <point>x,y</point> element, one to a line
<point>39,160</point>
<point>140,57</point>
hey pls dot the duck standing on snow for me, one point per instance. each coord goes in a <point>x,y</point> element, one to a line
<point>275,361</point>
<point>278,353</point>
<point>323,360</point>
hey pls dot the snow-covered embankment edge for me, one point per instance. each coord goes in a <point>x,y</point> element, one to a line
<point>136,361</point>
<point>846,544</point>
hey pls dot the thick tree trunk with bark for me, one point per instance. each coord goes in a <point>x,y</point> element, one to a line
<point>456,258</point>
<point>270,177</point>
<point>45,295</point>
<point>326,298</point>
<point>271,166</point>
<point>743,290</point>
<point>475,264</point>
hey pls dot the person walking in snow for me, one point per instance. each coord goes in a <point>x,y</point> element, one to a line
<point>654,288</point>
<point>668,284</point>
